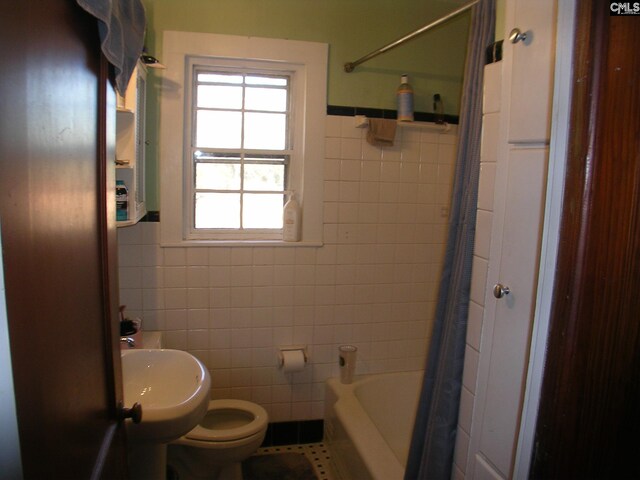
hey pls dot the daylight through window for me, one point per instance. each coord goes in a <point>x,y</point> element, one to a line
<point>240,149</point>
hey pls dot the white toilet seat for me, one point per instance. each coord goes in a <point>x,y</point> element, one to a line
<point>244,420</point>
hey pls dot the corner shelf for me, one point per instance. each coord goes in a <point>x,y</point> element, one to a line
<point>130,145</point>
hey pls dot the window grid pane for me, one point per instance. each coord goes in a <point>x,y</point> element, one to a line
<point>247,116</point>
<point>237,192</point>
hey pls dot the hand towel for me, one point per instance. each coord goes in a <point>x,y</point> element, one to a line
<point>381,132</point>
<point>121,28</point>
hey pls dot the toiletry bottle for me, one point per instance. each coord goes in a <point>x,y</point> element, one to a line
<point>438,109</point>
<point>122,201</point>
<point>404,95</point>
<point>291,220</point>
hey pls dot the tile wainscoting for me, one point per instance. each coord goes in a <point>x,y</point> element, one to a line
<point>373,283</point>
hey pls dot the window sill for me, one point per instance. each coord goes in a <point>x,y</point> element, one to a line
<point>240,243</point>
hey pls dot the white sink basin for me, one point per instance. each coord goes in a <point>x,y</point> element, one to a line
<point>173,388</point>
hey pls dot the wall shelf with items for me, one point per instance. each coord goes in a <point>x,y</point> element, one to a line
<point>361,121</point>
<point>130,145</point>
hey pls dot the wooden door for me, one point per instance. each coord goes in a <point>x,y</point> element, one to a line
<point>589,411</point>
<point>58,235</point>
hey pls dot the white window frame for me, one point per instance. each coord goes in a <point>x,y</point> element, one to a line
<point>307,62</point>
<point>293,148</point>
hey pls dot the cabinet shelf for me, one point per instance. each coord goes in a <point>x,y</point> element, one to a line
<point>133,221</point>
<point>130,130</point>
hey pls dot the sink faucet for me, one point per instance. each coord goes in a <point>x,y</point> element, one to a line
<point>129,341</point>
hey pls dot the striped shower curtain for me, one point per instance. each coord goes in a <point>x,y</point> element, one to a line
<point>434,434</point>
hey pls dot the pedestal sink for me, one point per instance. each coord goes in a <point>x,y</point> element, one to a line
<point>173,388</point>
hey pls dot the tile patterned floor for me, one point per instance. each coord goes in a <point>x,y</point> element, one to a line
<point>316,453</point>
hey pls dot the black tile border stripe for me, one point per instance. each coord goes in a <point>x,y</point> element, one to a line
<point>345,111</point>
<point>152,216</point>
<point>294,433</point>
<point>494,52</point>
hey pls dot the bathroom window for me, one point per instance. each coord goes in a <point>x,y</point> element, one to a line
<point>240,150</point>
<point>251,112</point>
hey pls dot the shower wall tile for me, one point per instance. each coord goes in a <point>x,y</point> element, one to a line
<point>490,137</point>
<point>482,245</point>
<point>478,279</point>
<point>492,88</point>
<point>373,283</point>
<point>461,450</point>
<point>470,370</point>
<point>457,473</point>
<point>474,325</point>
<point>486,186</point>
<point>466,410</point>
<point>484,220</point>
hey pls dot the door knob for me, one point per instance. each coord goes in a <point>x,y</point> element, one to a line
<point>134,413</point>
<point>500,290</point>
<point>516,36</point>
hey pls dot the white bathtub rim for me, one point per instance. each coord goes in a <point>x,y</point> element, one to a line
<point>379,459</point>
<point>376,453</point>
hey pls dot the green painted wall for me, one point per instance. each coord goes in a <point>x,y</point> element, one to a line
<point>500,6</point>
<point>352,28</point>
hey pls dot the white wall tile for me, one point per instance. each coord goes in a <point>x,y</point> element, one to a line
<point>350,148</point>
<point>198,276</point>
<point>474,325</point>
<point>175,277</point>
<point>332,148</point>
<point>150,233</point>
<point>461,450</point>
<point>130,235</point>
<point>372,283</point>
<point>479,279</point>
<point>482,244</point>
<point>486,186</point>
<point>348,128</point>
<point>492,87</point>
<point>130,255</point>
<point>333,126</point>
<point>466,410</point>
<point>197,256</point>
<point>490,138</point>
<point>470,369</point>
<point>130,277</point>
<point>175,256</point>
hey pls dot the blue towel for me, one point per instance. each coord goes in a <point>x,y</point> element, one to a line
<point>121,27</point>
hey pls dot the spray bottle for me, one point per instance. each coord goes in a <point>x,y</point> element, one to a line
<point>291,219</point>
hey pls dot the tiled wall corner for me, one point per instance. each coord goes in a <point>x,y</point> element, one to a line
<point>484,220</point>
<point>373,283</point>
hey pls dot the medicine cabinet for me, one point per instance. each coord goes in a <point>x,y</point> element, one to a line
<point>130,144</point>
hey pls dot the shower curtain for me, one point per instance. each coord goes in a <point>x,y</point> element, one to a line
<point>434,433</point>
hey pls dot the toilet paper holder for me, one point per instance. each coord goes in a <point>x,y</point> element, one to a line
<point>289,348</point>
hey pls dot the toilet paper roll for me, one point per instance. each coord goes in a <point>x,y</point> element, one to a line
<point>292,361</point>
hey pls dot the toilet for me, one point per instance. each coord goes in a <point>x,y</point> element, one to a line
<point>230,432</point>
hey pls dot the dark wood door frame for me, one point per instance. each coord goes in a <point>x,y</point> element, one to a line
<point>57,182</point>
<point>589,411</point>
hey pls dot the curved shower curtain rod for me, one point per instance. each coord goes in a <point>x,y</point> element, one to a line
<point>349,66</point>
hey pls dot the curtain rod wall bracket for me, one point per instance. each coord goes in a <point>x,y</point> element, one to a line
<point>350,66</point>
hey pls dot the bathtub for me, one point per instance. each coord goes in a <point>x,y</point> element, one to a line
<point>368,424</point>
